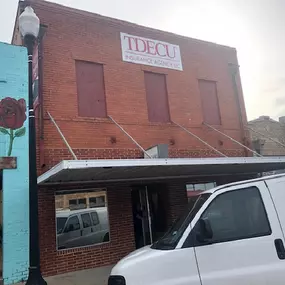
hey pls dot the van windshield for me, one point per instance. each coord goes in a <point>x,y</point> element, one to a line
<point>173,235</point>
<point>60,222</point>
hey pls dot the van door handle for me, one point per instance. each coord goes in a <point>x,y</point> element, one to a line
<point>279,245</point>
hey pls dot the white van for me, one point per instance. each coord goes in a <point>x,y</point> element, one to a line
<point>82,227</point>
<point>230,235</point>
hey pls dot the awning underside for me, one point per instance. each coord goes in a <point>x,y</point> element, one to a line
<point>146,169</point>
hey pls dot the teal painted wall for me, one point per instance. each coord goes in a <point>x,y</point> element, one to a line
<point>14,84</point>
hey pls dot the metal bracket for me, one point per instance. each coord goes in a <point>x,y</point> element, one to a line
<point>130,137</point>
<point>198,138</point>
<point>232,139</point>
<point>266,137</point>
<point>62,136</point>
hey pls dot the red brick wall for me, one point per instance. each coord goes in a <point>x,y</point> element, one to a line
<point>177,200</point>
<point>73,34</point>
<point>121,229</point>
<point>121,234</point>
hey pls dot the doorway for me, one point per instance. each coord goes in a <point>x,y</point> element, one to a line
<point>149,213</point>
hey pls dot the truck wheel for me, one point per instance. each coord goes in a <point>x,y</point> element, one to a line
<point>106,238</point>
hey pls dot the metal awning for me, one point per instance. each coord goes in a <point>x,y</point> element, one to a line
<point>115,170</point>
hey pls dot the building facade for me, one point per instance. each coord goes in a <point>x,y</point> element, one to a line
<point>268,138</point>
<point>268,135</point>
<point>96,76</point>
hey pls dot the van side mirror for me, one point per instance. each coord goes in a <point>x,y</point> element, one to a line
<point>205,232</point>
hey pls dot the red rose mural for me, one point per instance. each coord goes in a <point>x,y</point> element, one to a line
<point>12,118</point>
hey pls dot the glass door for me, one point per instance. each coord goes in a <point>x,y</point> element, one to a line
<point>142,216</point>
<point>146,216</point>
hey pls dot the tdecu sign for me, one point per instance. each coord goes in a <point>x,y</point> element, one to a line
<point>150,52</point>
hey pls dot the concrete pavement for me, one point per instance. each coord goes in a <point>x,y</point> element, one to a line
<point>96,276</point>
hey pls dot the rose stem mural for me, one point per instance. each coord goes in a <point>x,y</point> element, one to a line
<point>12,118</point>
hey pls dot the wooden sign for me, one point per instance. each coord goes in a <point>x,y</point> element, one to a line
<point>8,162</point>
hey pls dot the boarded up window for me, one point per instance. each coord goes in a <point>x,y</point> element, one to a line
<point>210,103</point>
<point>156,96</point>
<point>90,89</point>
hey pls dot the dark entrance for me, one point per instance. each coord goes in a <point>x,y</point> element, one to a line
<point>149,212</point>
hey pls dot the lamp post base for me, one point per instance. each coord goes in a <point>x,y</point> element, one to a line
<point>35,277</point>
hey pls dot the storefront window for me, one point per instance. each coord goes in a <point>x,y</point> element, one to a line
<point>81,219</point>
<point>76,204</point>
<point>194,188</point>
<point>97,201</point>
<point>201,186</point>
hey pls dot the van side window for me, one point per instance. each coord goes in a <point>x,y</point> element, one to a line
<point>95,218</point>
<point>86,220</point>
<point>238,214</point>
<point>72,224</point>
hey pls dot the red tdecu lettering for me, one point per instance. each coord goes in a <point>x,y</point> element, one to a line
<point>140,45</point>
<point>159,50</point>
<point>129,41</point>
<point>136,44</point>
<point>168,51</point>
<point>151,48</point>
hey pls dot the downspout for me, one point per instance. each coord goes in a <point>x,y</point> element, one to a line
<point>234,69</point>
<point>41,101</point>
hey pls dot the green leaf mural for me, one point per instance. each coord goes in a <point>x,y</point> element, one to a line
<point>4,131</point>
<point>20,133</point>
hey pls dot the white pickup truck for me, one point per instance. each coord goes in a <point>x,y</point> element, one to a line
<point>230,235</point>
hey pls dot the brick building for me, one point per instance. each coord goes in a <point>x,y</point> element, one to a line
<point>268,135</point>
<point>97,75</point>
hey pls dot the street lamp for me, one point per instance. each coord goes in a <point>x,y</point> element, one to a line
<point>29,25</point>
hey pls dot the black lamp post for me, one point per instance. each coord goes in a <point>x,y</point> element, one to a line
<point>29,25</point>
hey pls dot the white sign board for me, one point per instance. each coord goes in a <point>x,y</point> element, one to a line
<point>150,52</point>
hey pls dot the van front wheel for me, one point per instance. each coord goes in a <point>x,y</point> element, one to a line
<point>106,238</point>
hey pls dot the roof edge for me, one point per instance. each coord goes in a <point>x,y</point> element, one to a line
<point>59,7</point>
<point>18,12</point>
<point>110,163</point>
<point>53,171</point>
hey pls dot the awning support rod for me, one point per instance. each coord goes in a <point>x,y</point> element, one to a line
<point>130,137</point>
<point>273,140</point>
<point>198,138</point>
<point>232,139</point>
<point>62,136</point>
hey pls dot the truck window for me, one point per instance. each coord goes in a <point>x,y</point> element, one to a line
<point>238,214</point>
<point>171,238</point>
<point>72,224</point>
<point>86,220</point>
<point>95,218</point>
<point>60,223</point>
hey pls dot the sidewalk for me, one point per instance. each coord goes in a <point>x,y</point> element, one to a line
<point>96,276</point>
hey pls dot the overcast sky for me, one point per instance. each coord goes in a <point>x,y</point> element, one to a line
<point>255,27</point>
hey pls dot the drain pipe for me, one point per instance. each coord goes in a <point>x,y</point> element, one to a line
<point>234,70</point>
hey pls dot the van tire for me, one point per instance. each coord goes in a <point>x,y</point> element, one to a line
<point>106,238</point>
